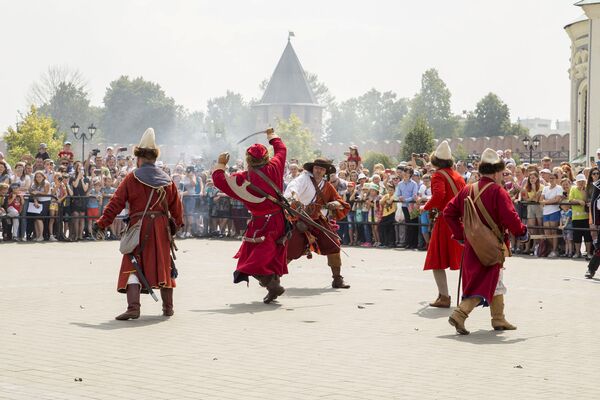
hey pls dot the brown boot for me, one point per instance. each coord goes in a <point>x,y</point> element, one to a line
<point>133,304</point>
<point>166,294</point>
<point>335,263</point>
<point>274,289</point>
<point>499,323</point>
<point>461,313</point>
<point>441,302</point>
<point>338,283</point>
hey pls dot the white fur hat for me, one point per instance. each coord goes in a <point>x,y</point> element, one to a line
<point>443,151</point>
<point>148,140</point>
<point>489,156</point>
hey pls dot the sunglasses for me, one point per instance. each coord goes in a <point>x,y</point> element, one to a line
<point>596,173</point>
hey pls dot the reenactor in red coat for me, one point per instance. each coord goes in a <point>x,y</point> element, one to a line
<point>323,204</point>
<point>482,284</point>
<point>262,253</point>
<point>146,188</point>
<point>443,251</point>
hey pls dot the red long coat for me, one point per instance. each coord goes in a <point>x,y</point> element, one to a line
<point>443,251</point>
<point>268,257</point>
<point>479,280</point>
<point>155,259</point>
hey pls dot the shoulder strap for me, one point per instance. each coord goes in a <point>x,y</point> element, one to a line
<point>318,191</point>
<point>147,204</point>
<point>450,181</point>
<point>482,209</point>
<point>267,180</point>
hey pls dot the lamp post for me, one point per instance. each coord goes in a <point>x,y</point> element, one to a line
<point>83,136</point>
<point>531,145</point>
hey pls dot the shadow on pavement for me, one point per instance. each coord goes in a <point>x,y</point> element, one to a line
<point>431,312</point>
<point>483,336</point>
<point>114,324</point>
<point>307,292</point>
<point>243,308</point>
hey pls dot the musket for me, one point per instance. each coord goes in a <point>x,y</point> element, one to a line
<point>269,130</point>
<point>281,201</point>
<point>142,277</point>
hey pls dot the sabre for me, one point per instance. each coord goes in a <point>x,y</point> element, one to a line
<point>270,130</point>
<point>142,278</point>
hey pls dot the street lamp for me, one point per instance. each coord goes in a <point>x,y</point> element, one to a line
<point>83,136</point>
<point>531,145</point>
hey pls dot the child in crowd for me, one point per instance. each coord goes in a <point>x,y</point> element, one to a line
<point>13,210</point>
<point>565,225</point>
<point>374,213</point>
<point>93,203</point>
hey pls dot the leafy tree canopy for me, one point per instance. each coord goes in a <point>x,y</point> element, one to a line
<point>419,139</point>
<point>299,140</point>
<point>33,130</point>
<point>131,106</point>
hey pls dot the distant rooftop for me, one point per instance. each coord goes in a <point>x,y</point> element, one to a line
<point>288,84</point>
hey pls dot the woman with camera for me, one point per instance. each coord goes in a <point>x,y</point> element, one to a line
<point>77,189</point>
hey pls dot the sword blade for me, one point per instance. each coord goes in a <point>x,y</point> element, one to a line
<point>249,136</point>
<point>142,278</point>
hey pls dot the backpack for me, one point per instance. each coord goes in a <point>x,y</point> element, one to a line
<point>486,242</point>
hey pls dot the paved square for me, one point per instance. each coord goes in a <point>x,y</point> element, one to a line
<point>377,340</point>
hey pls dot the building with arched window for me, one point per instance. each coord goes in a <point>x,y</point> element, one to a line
<point>585,90</point>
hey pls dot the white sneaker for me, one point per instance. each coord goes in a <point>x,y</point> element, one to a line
<point>52,238</point>
<point>40,239</point>
<point>552,255</point>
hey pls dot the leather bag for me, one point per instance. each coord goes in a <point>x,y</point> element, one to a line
<point>486,241</point>
<point>131,237</point>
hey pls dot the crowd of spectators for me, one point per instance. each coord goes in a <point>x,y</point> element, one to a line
<point>46,199</point>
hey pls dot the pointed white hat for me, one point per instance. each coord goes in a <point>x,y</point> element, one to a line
<point>443,151</point>
<point>489,156</point>
<point>148,140</point>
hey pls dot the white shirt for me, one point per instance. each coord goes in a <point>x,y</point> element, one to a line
<point>550,194</point>
<point>303,188</point>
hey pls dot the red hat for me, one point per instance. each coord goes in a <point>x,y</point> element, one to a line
<point>257,151</point>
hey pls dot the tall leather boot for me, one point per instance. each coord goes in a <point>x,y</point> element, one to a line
<point>133,304</point>
<point>274,288</point>
<point>461,313</point>
<point>335,263</point>
<point>499,323</point>
<point>593,265</point>
<point>166,294</point>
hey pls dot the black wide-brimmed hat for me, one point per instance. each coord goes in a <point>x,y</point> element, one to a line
<point>320,162</point>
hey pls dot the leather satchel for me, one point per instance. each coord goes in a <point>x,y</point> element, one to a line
<point>131,237</point>
<point>486,241</point>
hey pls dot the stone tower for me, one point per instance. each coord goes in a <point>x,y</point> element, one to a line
<point>287,93</point>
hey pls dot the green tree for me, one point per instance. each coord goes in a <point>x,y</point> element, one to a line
<point>43,90</point>
<point>70,104</point>
<point>433,103</point>
<point>299,140</point>
<point>33,130</point>
<point>460,153</point>
<point>374,115</point>
<point>490,118</point>
<point>372,157</point>
<point>229,115</point>
<point>131,106</point>
<point>419,139</point>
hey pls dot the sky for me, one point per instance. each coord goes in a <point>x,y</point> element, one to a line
<point>198,49</point>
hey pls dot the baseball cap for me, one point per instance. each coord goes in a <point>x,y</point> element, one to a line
<point>67,142</point>
<point>545,171</point>
<point>361,176</point>
<point>580,177</point>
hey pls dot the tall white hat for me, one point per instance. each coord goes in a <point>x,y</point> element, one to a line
<point>443,151</point>
<point>148,140</point>
<point>489,156</point>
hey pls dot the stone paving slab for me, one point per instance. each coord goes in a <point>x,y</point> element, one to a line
<point>378,340</point>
